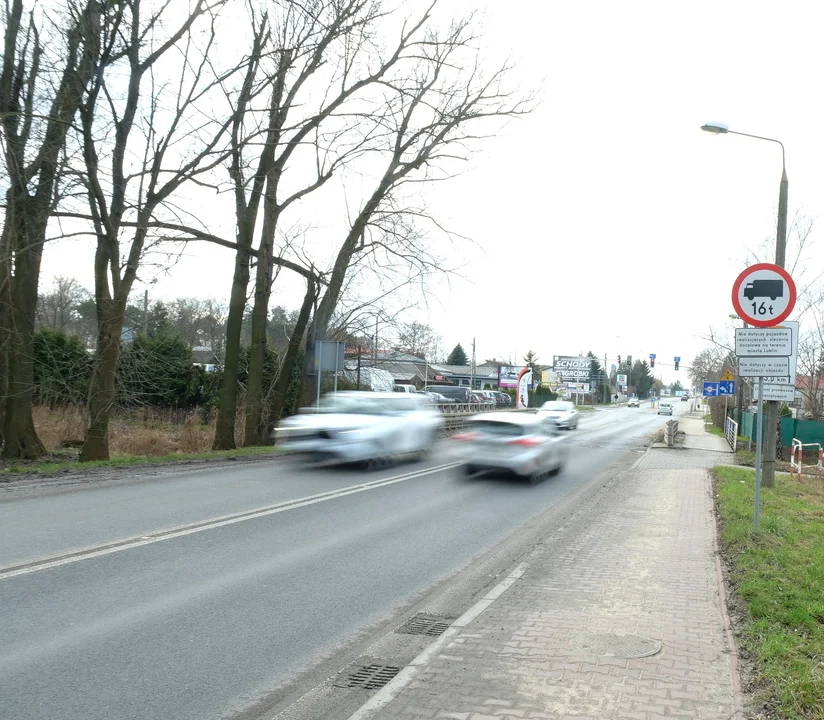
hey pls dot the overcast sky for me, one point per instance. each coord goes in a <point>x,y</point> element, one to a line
<point>606,220</point>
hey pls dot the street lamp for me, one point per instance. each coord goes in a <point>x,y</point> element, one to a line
<point>718,128</point>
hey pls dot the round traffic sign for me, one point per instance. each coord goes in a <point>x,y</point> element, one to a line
<point>763,295</point>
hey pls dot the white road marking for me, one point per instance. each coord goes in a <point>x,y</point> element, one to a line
<point>53,561</point>
<point>396,685</point>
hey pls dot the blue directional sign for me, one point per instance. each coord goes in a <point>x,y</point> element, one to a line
<point>710,389</point>
<point>653,355</point>
<point>677,359</point>
<point>726,387</point>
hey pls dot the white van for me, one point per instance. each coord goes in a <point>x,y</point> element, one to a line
<point>405,388</point>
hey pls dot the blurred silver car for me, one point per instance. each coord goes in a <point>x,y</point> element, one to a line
<point>561,412</point>
<point>665,409</point>
<point>525,445</point>
<point>362,427</point>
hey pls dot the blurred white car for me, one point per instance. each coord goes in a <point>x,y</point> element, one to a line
<point>362,427</point>
<point>511,442</point>
<point>561,412</point>
<point>634,402</point>
<point>665,409</point>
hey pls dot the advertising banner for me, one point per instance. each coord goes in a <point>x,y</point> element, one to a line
<point>524,380</point>
<point>508,376</point>
<point>572,368</point>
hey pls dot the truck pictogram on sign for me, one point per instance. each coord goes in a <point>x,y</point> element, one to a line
<point>764,288</point>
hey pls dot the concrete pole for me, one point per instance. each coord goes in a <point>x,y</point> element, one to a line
<point>772,419</point>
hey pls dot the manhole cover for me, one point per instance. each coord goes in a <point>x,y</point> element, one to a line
<point>368,677</point>
<point>612,645</point>
<point>425,625</point>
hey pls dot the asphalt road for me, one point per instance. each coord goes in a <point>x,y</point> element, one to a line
<point>198,593</point>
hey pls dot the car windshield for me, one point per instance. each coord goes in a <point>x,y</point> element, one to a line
<point>366,405</point>
<point>557,406</point>
<point>498,428</point>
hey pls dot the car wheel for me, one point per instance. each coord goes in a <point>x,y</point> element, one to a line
<point>536,477</point>
<point>469,469</point>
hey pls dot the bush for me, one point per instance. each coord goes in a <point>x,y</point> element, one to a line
<point>158,371</point>
<point>62,368</point>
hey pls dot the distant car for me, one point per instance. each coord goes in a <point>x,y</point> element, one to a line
<point>502,399</point>
<point>459,393</point>
<point>634,402</point>
<point>525,445</point>
<point>436,397</point>
<point>489,396</point>
<point>355,426</point>
<point>684,398</point>
<point>665,409</point>
<point>561,412</point>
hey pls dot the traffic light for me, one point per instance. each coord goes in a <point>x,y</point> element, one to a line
<point>676,364</point>
<point>652,361</point>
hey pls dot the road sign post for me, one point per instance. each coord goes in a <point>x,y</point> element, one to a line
<point>764,296</point>
<point>759,432</point>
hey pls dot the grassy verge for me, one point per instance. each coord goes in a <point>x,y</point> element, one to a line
<point>585,408</point>
<point>55,464</point>
<point>779,577</point>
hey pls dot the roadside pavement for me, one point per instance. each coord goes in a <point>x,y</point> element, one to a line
<point>561,636</point>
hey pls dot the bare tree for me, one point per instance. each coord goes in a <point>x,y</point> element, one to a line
<point>58,308</point>
<point>436,109</point>
<point>420,339</point>
<point>41,86</point>
<point>166,118</point>
<point>327,44</point>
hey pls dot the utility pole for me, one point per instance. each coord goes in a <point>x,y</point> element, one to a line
<point>359,364</point>
<point>146,312</point>
<point>376,343</point>
<point>772,420</point>
<point>472,369</point>
<point>606,379</point>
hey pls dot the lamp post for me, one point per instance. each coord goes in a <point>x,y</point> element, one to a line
<point>717,128</point>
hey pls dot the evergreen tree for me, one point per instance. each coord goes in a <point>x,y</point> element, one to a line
<point>457,356</point>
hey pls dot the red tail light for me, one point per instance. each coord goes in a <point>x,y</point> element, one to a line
<point>526,442</point>
<point>465,436</point>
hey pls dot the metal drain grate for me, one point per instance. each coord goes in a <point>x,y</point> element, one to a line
<point>613,645</point>
<point>368,677</point>
<point>422,624</point>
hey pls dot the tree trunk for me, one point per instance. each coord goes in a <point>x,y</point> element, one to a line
<point>256,425</point>
<point>102,392</point>
<point>287,366</point>
<point>27,233</point>
<point>225,427</point>
<point>5,321</point>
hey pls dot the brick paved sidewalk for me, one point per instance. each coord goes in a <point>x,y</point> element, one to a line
<point>646,567</point>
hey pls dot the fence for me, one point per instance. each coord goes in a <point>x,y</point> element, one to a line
<point>805,431</point>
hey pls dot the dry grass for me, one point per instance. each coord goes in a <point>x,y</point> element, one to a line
<point>132,433</point>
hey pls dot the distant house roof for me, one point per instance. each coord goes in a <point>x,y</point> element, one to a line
<point>466,370</point>
<point>802,382</point>
<point>205,356</point>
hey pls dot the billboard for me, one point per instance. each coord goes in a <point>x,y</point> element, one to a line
<point>572,369</point>
<point>508,376</point>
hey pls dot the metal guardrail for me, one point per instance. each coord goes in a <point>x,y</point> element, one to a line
<point>457,414</point>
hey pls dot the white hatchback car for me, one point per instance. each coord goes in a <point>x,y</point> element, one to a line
<point>561,412</point>
<point>665,409</point>
<point>524,445</point>
<point>362,427</point>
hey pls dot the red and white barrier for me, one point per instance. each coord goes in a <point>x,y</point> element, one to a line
<point>797,451</point>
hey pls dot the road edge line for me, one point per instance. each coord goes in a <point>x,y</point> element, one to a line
<point>398,684</point>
